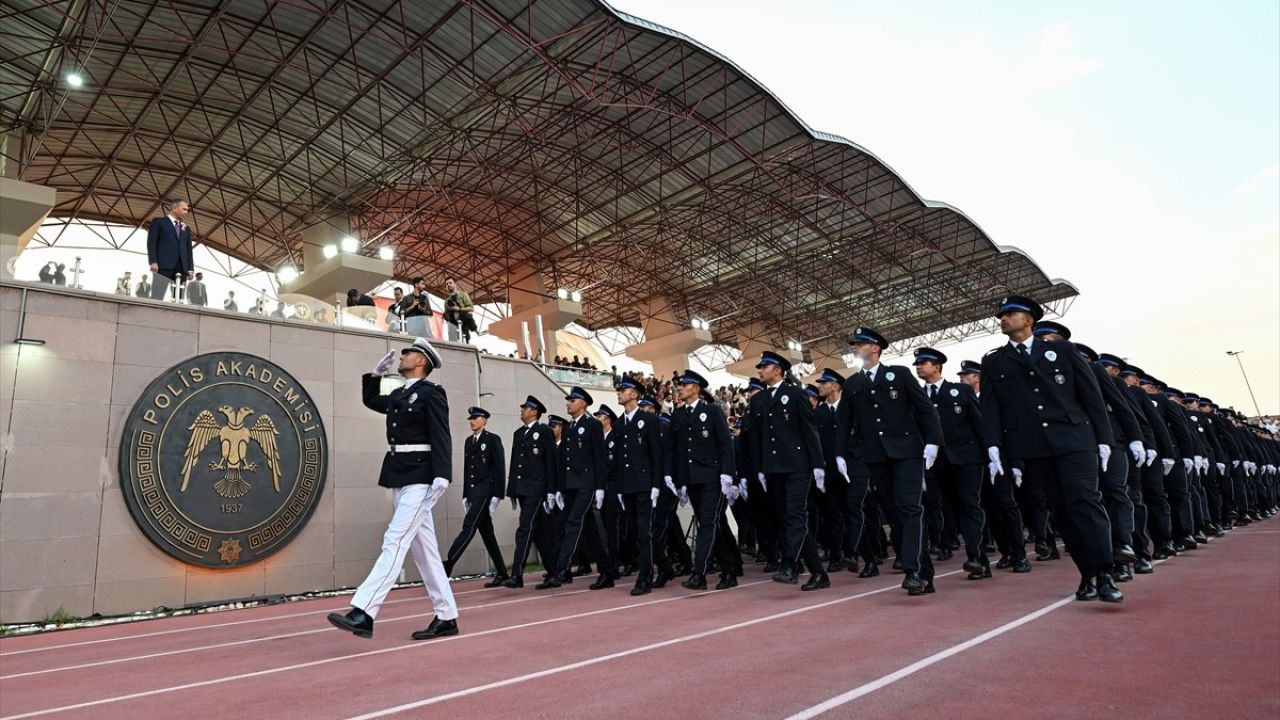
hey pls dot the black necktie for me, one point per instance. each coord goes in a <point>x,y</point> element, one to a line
<point>933,392</point>
<point>870,377</point>
<point>1022,350</point>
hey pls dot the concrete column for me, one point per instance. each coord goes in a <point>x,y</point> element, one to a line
<point>23,207</point>
<point>531,297</point>
<point>668,341</point>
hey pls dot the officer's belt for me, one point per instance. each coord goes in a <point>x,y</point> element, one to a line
<point>393,449</point>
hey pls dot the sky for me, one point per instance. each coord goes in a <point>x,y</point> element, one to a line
<point>1131,148</point>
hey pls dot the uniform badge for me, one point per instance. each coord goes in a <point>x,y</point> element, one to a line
<point>893,393</point>
<point>1060,379</point>
<point>785,399</point>
<point>1195,419</point>
<point>705,434</point>
<point>1050,355</point>
<point>413,397</point>
<point>483,446</point>
<point>702,417</point>
<point>611,443</point>
<point>535,436</point>
<point>640,425</point>
<point>889,375</point>
<point>955,392</point>
<point>957,409</point>
<point>581,430</point>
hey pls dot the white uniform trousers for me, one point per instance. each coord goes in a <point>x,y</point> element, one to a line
<point>411,529</point>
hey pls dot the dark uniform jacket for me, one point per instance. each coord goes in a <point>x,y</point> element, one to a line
<point>784,434</point>
<point>533,462</point>
<point>483,467</point>
<point>1176,424</point>
<point>827,419</point>
<point>961,419</point>
<point>638,459</point>
<point>701,445</point>
<point>416,415</point>
<point>888,419</point>
<point>1044,406</point>
<point>582,455</point>
<point>1124,425</point>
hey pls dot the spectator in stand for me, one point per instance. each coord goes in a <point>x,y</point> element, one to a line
<point>278,312</point>
<point>230,303</point>
<point>196,292</point>
<point>144,287</point>
<point>355,298</point>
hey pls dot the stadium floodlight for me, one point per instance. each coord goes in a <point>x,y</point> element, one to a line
<point>329,251</point>
<point>794,345</point>
<point>287,274</point>
<point>576,296</point>
<point>562,293</point>
<point>75,80</point>
<point>350,244</point>
<point>700,324</point>
<point>386,252</point>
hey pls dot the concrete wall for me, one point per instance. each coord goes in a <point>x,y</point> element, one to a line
<point>66,538</point>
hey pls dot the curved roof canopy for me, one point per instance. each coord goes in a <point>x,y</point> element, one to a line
<point>486,138</point>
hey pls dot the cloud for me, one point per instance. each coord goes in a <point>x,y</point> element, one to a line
<point>1259,180</point>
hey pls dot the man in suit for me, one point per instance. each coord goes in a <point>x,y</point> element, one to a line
<point>1041,407</point>
<point>169,248</point>
<point>196,293</point>
<point>638,466</point>
<point>957,475</point>
<point>417,466</point>
<point>532,472</point>
<point>701,465</point>
<point>788,459</point>
<point>483,468</point>
<point>887,423</point>
<point>582,472</point>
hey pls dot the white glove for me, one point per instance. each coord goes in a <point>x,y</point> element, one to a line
<point>1222,468</point>
<point>993,454</point>
<point>671,485</point>
<point>1271,469</point>
<point>1017,477</point>
<point>1188,463</point>
<point>1201,463</point>
<point>559,501</point>
<point>742,489</point>
<point>550,504</point>
<point>1168,464</point>
<point>466,506</point>
<point>621,505</point>
<point>653,497</point>
<point>684,496</point>
<point>599,499</point>
<point>820,479</point>
<point>1139,453</point>
<point>1104,455</point>
<point>438,488</point>
<point>514,504</point>
<point>726,482</point>
<point>1151,456</point>
<point>1235,463</point>
<point>763,485</point>
<point>384,365</point>
<point>843,467</point>
<point>493,505</point>
<point>930,455</point>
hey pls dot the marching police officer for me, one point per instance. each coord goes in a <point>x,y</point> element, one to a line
<point>417,466</point>
<point>483,466</point>
<point>701,464</point>
<point>841,505</point>
<point>533,470</point>
<point>638,465</point>
<point>1041,406</point>
<point>582,463</point>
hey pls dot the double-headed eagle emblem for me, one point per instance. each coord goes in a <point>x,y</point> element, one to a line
<point>233,438</point>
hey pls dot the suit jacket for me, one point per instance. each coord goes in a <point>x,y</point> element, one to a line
<point>888,419</point>
<point>638,460</point>
<point>533,462</point>
<point>166,248</point>
<point>483,465</point>
<point>1044,406</point>
<point>196,293</point>
<point>701,445</point>
<point>582,455</point>
<point>961,419</point>
<point>784,433</point>
<point>417,415</point>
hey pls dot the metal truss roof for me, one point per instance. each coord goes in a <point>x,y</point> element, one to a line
<point>482,137</point>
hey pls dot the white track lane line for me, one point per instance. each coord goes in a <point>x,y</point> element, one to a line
<point>215,625</point>
<point>620,654</point>
<point>248,641</point>
<point>354,656</point>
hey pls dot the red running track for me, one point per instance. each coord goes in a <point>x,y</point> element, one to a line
<point>1199,638</point>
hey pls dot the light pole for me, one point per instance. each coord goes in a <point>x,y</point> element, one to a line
<point>1236,354</point>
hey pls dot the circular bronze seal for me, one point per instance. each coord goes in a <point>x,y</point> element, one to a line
<point>223,459</point>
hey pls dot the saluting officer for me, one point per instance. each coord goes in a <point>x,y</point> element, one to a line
<point>637,465</point>
<point>582,463</point>
<point>701,457</point>
<point>418,466</point>
<point>1041,406</point>
<point>886,422</point>
<point>533,468</point>
<point>788,456</point>
<point>482,470</point>
<point>957,475</point>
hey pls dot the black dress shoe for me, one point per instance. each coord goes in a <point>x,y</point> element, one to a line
<point>355,622</point>
<point>664,576</point>
<point>1219,531</point>
<point>515,581</point>
<point>1053,552</point>
<point>1161,554</point>
<point>897,564</point>
<point>437,628</point>
<point>1123,554</point>
<point>851,565</point>
<point>1143,567</point>
<point>914,584</point>
<point>496,581</point>
<point>726,582</point>
<point>552,581</point>
<point>869,570</point>
<point>1004,563</point>
<point>1042,551</point>
<point>989,548</point>
<point>816,581</point>
<point>602,582</point>
<point>581,570</point>
<point>1107,590</point>
<point>835,565</point>
<point>973,565</point>
<point>771,566</point>
<point>982,574</point>
<point>786,575</point>
<point>944,555</point>
<point>1200,538</point>
<point>626,570</point>
<point>1086,591</point>
<point>642,587</point>
<point>1123,573</point>
<point>1021,566</point>
<point>696,581</point>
